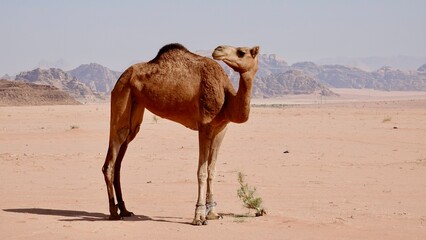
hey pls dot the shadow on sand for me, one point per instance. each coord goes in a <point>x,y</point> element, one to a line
<point>73,215</point>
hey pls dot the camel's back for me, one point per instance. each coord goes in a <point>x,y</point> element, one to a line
<point>175,66</point>
<point>168,50</point>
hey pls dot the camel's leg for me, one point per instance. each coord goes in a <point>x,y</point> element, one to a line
<point>205,139</point>
<point>109,169</point>
<point>215,145</point>
<point>117,185</point>
<point>120,129</point>
<point>136,120</point>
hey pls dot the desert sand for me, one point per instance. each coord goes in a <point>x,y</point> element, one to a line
<point>352,167</point>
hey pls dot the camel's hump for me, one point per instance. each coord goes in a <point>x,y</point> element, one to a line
<point>169,47</point>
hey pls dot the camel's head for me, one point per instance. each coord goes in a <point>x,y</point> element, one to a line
<point>241,59</point>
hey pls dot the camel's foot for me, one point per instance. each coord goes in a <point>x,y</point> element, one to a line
<point>115,217</point>
<point>123,211</point>
<point>211,211</point>
<point>113,210</point>
<point>126,213</point>
<point>199,222</point>
<point>212,215</point>
<point>200,216</point>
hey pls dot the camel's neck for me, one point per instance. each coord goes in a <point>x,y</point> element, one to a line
<point>239,104</point>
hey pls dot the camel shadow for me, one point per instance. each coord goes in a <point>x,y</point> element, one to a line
<point>74,215</point>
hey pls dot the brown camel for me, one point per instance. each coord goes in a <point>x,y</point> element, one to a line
<point>186,88</point>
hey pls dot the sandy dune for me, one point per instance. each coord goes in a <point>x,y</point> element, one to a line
<point>355,169</point>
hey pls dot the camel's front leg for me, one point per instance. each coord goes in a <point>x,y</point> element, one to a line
<point>205,139</point>
<point>214,150</point>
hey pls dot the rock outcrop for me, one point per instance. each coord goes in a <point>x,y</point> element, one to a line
<point>385,78</point>
<point>16,93</point>
<point>97,77</point>
<point>339,76</point>
<point>288,83</point>
<point>422,69</point>
<point>63,81</point>
<point>271,64</point>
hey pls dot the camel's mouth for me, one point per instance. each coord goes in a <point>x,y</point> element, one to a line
<point>220,52</point>
<point>218,56</point>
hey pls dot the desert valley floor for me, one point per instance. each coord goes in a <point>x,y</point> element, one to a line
<point>346,168</point>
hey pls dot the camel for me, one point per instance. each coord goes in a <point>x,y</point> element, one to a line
<point>186,88</point>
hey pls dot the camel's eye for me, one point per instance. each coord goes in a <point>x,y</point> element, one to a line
<point>240,53</point>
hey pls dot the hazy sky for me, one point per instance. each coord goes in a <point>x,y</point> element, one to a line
<point>118,33</point>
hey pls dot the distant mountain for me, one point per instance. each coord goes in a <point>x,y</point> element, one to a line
<point>61,80</point>
<point>275,78</point>
<point>17,93</point>
<point>422,69</point>
<point>385,78</point>
<point>339,76</point>
<point>288,83</point>
<point>394,79</point>
<point>270,64</point>
<point>97,77</point>
<point>309,68</point>
<point>373,63</point>
<point>271,72</point>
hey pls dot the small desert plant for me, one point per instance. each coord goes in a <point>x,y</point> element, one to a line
<point>387,119</point>
<point>74,127</point>
<point>247,195</point>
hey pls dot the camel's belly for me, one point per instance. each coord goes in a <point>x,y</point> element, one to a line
<point>172,105</point>
<point>186,118</point>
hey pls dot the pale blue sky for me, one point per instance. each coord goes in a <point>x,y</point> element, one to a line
<point>118,33</point>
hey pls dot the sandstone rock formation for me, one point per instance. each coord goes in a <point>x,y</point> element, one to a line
<point>16,93</point>
<point>385,78</point>
<point>61,80</point>
<point>97,77</point>
<point>422,69</point>
<point>288,83</point>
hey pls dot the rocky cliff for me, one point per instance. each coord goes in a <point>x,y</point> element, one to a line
<point>63,81</point>
<point>422,69</point>
<point>288,83</point>
<point>271,64</point>
<point>97,77</point>
<point>385,78</point>
<point>16,93</point>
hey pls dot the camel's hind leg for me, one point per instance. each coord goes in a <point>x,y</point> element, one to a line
<point>117,185</point>
<point>136,120</point>
<point>109,169</point>
<point>126,118</point>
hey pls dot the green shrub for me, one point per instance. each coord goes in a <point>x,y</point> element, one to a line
<point>247,195</point>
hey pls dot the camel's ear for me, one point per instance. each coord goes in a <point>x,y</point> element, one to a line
<point>254,51</point>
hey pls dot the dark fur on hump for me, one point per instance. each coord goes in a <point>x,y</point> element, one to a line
<point>167,48</point>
